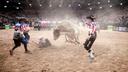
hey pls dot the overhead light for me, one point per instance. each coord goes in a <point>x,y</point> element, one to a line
<point>40,5</point>
<point>17,7</point>
<point>100,7</point>
<point>98,3</point>
<point>30,4</point>
<point>121,3</point>
<point>90,8</point>
<point>60,5</point>
<point>108,1</point>
<point>19,3</point>
<point>79,5</point>
<point>50,5</point>
<point>69,5</point>
<point>110,6</point>
<point>7,1</point>
<point>89,4</point>
<point>5,6</point>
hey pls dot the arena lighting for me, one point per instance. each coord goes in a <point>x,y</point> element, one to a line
<point>90,8</point>
<point>19,3</point>
<point>100,7</point>
<point>79,5</point>
<point>5,6</point>
<point>121,3</point>
<point>110,6</point>
<point>60,5</point>
<point>108,1</point>
<point>89,4</point>
<point>40,5</point>
<point>7,1</point>
<point>17,7</point>
<point>50,5</point>
<point>69,5</point>
<point>98,2</point>
<point>30,4</point>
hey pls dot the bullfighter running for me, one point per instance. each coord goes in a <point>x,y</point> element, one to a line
<point>92,34</point>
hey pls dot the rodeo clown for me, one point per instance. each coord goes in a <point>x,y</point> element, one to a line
<point>21,35</point>
<point>92,34</point>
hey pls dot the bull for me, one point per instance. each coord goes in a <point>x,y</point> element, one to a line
<point>71,34</point>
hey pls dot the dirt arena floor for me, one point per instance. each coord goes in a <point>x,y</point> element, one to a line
<point>111,51</point>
